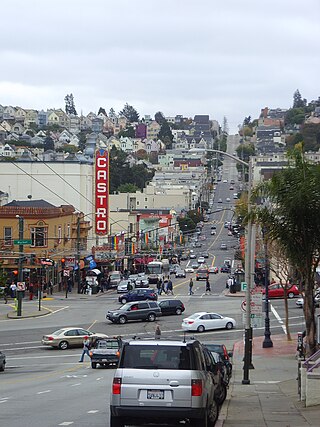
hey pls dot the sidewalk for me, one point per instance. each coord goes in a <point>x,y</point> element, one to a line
<point>271,399</point>
<point>31,308</point>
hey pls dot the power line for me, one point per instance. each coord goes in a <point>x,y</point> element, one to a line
<point>63,179</point>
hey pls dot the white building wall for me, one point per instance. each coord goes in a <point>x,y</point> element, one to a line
<point>17,182</point>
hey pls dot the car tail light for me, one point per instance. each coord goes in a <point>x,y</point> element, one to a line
<point>118,353</point>
<point>196,387</point>
<point>225,353</point>
<point>190,322</point>
<point>182,306</point>
<point>50,338</point>
<point>90,353</point>
<point>116,386</point>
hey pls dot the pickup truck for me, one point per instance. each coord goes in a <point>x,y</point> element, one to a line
<point>105,352</point>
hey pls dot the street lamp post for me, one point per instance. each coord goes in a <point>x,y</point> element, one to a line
<point>20,265</point>
<point>248,268</point>
<point>267,342</point>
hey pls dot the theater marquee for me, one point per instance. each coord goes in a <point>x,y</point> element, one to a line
<point>102,192</point>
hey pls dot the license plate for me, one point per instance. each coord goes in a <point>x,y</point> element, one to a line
<point>155,394</point>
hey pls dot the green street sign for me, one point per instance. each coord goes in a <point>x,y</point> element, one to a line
<point>243,286</point>
<point>23,242</point>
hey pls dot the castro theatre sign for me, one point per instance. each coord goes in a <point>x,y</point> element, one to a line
<point>101,192</point>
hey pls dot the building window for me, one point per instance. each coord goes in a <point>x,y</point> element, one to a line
<point>59,234</point>
<point>39,236</point>
<point>68,231</point>
<point>146,199</point>
<point>138,203</point>
<point>7,236</point>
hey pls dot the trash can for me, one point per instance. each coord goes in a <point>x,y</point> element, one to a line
<point>94,289</point>
<point>232,289</point>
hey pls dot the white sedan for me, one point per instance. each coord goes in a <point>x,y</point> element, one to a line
<point>189,270</point>
<point>203,321</point>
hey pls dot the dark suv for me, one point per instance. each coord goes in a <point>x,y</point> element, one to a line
<point>138,295</point>
<point>164,382</point>
<point>171,306</point>
<point>140,310</point>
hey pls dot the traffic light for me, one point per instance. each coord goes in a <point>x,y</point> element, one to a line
<point>15,273</point>
<point>63,261</point>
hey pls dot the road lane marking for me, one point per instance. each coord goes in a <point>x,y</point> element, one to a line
<point>66,423</point>
<point>75,385</point>
<point>45,391</point>
<point>98,379</point>
<point>277,316</point>
<point>93,411</point>
<point>92,324</point>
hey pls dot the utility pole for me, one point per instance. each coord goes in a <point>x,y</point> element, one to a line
<point>78,254</point>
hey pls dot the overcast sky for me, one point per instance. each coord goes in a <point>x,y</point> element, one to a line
<point>218,57</point>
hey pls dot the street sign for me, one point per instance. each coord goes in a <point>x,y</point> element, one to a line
<point>22,242</point>
<point>66,273</point>
<point>243,286</point>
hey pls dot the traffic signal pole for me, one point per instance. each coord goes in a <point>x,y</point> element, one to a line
<point>20,266</point>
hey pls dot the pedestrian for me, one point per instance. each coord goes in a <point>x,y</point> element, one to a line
<point>50,287</point>
<point>159,286</point>
<point>85,349</point>
<point>169,287</point>
<point>229,283</point>
<point>44,287</point>
<point>157,333</point>
<point>163,286</point>
<point>129,286</point>
<point>13,290</point>
<point>31,291</point>
<point>69,284</point>
<point>208,288</point>
<point>191,286</point>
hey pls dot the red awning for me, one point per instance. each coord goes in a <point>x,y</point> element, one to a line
<point>144,260</point>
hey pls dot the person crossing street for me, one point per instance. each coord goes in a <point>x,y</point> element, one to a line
<point>191,287</point>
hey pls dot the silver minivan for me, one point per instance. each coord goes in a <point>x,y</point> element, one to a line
<point>162,381</point>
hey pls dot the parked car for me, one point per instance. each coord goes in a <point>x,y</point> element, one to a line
<point>219,200</point>
<point>213,232</point>
<point>2,361</point>
<point>180,273</point>
<point>171,306</point>
<point>277,291</point>
<point>224,354</point>
<point>115,278</point>
<point>228,199</point>
<point>164,382</point>
<point>213,270</point>
<point>138,295</point>
<point>105,352</point>
<point>213,227</point>
<point>203,321</point>
<point>223,246</point>
<point>69,337</point>
<point>300,301</point>
<point>123,286</point>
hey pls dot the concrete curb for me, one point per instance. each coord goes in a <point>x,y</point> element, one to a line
<point>13,314</point>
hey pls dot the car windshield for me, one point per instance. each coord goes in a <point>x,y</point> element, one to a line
<point>107,344</point>
<point>59,332</point>
<point>155,357</point>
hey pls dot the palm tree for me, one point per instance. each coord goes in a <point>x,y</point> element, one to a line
<point>291,215</point>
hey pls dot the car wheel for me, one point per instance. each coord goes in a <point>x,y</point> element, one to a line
<point>122,320</point>
<point>178,311</point>
<point>93,365</point>
<point>290,295</point>
<point>229,325</point>
<point>221,394</point>
<point>116,422</point>
<point>213,414</point>
<point>151,317</point>
<point>201,328</point>
<point>63,345</point>
<point>123,300</point>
